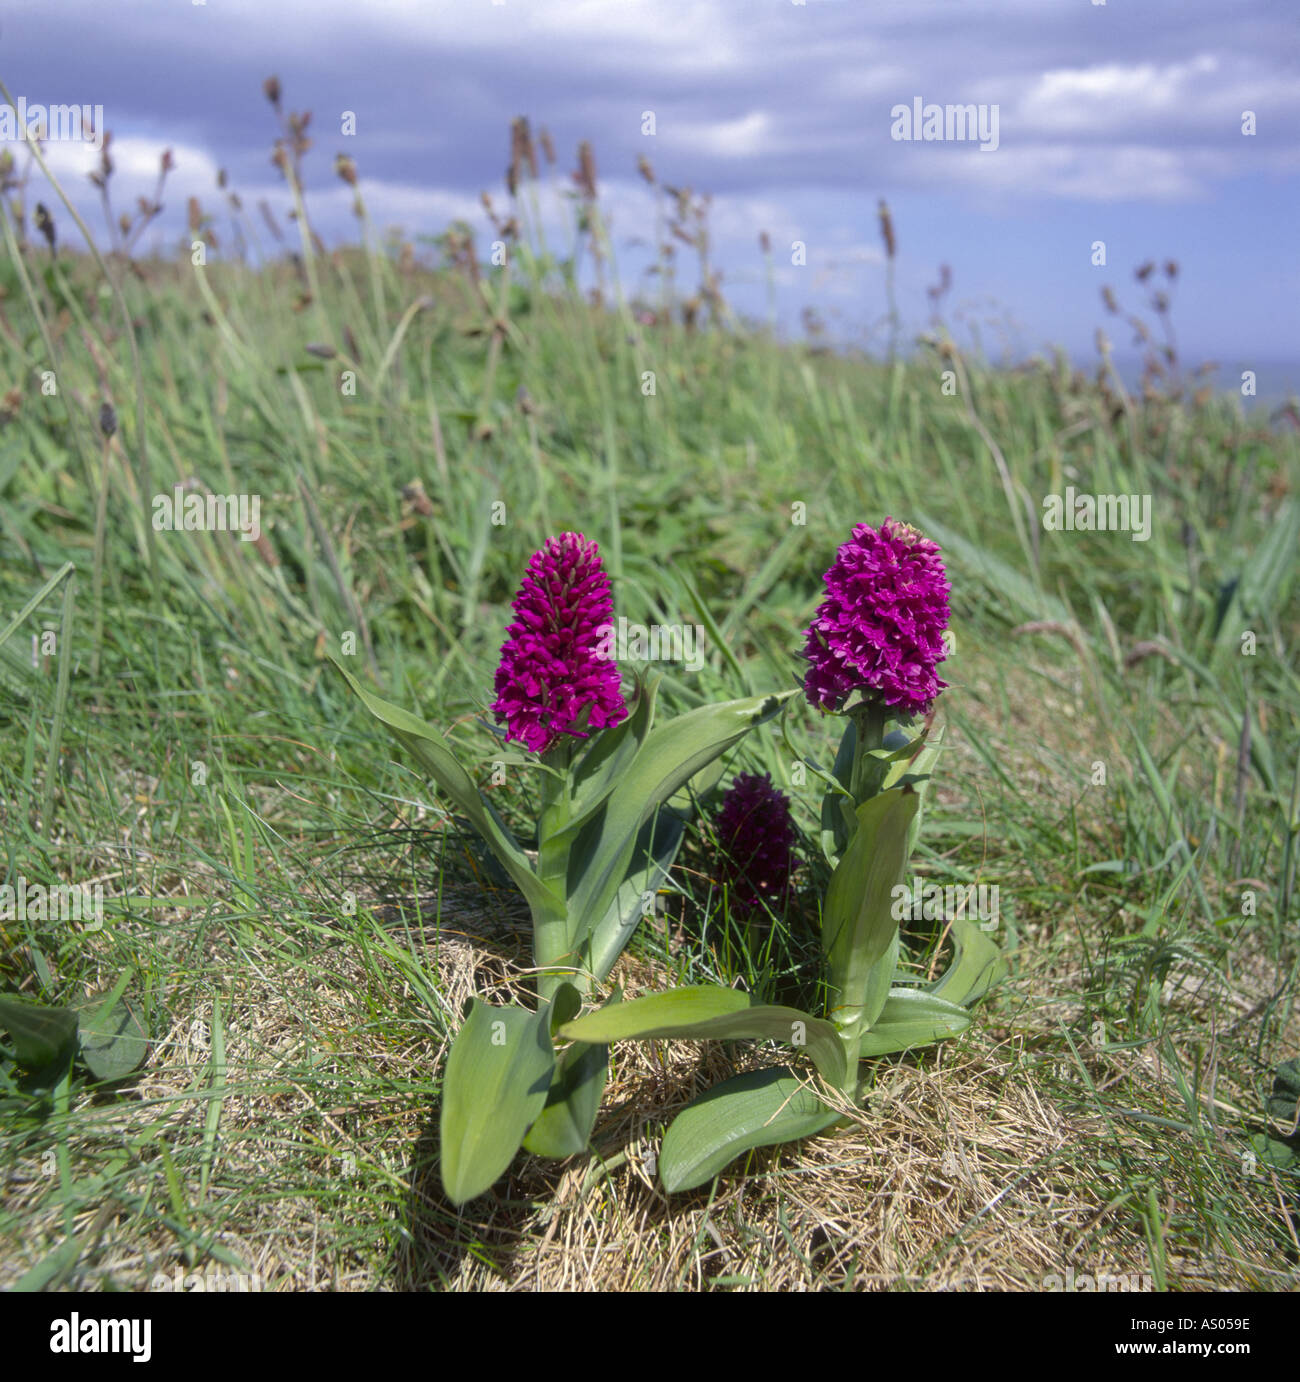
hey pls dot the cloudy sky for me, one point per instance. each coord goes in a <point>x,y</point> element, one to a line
<point>1116,122</point>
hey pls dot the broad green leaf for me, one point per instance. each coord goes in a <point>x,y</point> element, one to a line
<point>432,752</point>
<point>709,1013</point>
<point>921,765</point>
<point>652,860</point>
<point>114,1040</point>
<point>912,1017</point>
<point>757,1109</point>
<point>699,788</point>
<point>609,755</point>
<point>671,755</point>
<point>977,964</point>
<point>563,1127</point>
<point>495,1087</point>
<point>858,921</point>
<point>1284,1100</point>
<point>38,1036</point>
<point>880,978</point>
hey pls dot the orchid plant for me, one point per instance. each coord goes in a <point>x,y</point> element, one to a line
<point>872,652</point>
<point>613,808</point>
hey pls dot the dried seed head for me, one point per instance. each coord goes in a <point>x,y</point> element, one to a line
<point>107,419</point>
<point>1108,297</point>
<point>271,90</point>
<point>585,177</point>
<point>647,172</point>
<point>1171,269</point>
<point>547,143</point>
<point>1144,271</point>
<point>269,217</point>
<point>765,242</point>
<point>887,229</point>
<point>45,224</point>
<point>523,152</point>
<point>415,496</point>
<point>346,169</point>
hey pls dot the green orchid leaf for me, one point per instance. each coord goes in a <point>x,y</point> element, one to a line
<point>563,1127</point>
<point>921,766</point>
<point>599,771</point>
<point>434,755</point>
<point>495,1087</point>
<point>1283,1104</point>
<point>672,754</point>
<point>699,788</point>
<point>1280,1155</point>
<point>652,860</point>
<point>114,1039</point>
<point>976,966</point>
<point>758,1109</point>
<point>38,1036</point>
<point>880,979</point>
<point>912,1017</point>
<point>709,1013</point>
<point>858,922</point>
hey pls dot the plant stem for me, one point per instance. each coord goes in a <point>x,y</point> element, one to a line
<point>552,942</point>
<point>868,773</point>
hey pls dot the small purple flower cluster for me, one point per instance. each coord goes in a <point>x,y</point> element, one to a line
<point>757,839</point>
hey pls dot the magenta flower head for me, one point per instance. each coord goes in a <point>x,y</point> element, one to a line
<point>880,628</point>
<point>757,839</point>
<point>552,670</point>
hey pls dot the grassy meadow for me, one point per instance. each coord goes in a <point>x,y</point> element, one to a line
<point>298,922</point>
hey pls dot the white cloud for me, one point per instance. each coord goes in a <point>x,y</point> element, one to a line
<point>136,160</point>
<point>1133,172</point>
<point>1113,94</point>
<point>745,137</point>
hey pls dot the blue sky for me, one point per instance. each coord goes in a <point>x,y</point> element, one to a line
<point>1116,122</point>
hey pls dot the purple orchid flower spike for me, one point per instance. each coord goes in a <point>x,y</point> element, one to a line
<point>553,675</point>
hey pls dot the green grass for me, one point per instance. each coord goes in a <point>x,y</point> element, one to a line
<point>299,916</point>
